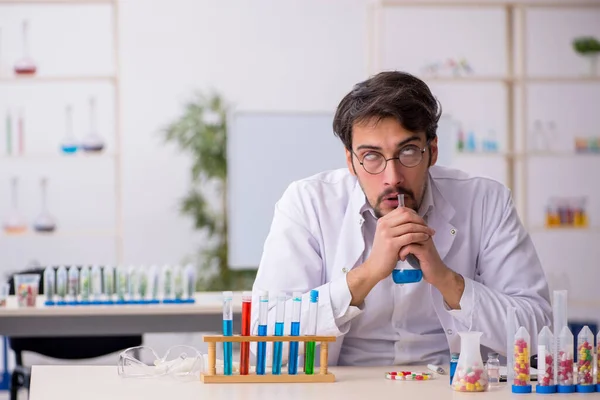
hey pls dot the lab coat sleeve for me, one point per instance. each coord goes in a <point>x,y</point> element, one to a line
<point>292,261</point>
<point>508,273</point>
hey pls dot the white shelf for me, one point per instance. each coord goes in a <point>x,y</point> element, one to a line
<point>30,233</point>
<point>560,79</point>
<point>57,78</point>
<point>59,156</point>
<point>560,154</point>
<point>467,79</point>
<point>17,2</point>
<point>565,229</point>
<point>490,4</point>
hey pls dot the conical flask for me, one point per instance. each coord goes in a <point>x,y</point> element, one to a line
<point>44,221</point>
<point>14,222</point>
<point>25,65</point>
<point>402,275</point>
<point>68,144</point>
<point>93,143</point>
<point>470,375</point>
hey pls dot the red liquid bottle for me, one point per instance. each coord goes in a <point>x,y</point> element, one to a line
<point>245,346</point>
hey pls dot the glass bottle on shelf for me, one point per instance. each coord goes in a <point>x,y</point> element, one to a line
<point>25,65</point>
<point>14,222</point>
<point>68,144</point>
<point>44,221</point>
<point>93,143</point>
<point>538,139</point>
<point>552,138</point>
<point>9,139</point>
<point>552,213</point>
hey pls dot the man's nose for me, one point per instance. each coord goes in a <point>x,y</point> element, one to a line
<point>393,172</point>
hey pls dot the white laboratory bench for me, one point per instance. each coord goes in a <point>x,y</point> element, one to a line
<point>103,382</point>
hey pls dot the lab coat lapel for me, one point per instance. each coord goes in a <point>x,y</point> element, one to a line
<point>441,220</point>
<point>351,244</point>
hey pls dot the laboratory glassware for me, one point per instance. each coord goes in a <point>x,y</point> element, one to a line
<point>14,222</point>
<point>313,307</point>
<point>69,145</point>
<point>25,65</point>
<point>92,142</point>
<point>245,346</point>
<point>44,222</point>
<point>279,323</point>
<point>470,375</point>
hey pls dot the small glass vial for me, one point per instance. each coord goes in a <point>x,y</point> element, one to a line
<point>50,285</point>
<point>453,362</point>
<point>493,369</point>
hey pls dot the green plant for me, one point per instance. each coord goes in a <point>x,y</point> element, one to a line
<point>585,45</point>
<point>201,131</point>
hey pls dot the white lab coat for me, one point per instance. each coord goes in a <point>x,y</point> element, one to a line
<point>315,239</point>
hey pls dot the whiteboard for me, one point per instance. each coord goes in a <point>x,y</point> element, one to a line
<point>266,151</point>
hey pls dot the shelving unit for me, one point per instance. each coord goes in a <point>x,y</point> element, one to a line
<point>114,155</point>
<point>516,82</point>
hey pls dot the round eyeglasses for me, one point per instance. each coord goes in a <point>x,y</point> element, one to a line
<point>375,163</point>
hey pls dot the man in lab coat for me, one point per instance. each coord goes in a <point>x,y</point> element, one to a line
<point>341,232</point>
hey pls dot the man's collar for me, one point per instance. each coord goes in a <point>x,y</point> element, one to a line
<point>361,203</point>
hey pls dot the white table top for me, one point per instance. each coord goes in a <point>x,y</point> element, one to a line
<point>103,382</point>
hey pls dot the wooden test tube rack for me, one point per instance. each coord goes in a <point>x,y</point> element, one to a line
<point>321,376</point>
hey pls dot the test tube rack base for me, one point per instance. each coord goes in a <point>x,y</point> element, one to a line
<point>320,376</point>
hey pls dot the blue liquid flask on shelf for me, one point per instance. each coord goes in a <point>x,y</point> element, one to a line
<point>69,144</point>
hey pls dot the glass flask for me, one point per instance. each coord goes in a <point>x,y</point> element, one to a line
<point>470,374</point>
<point>69,144</point>
<point>14,222</point>
<point>44,221</point>
<point>92,143</point>
<point>402,275</point>
<point>25,65</point>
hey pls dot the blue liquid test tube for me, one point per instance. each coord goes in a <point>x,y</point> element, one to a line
<point>279,322</point>
<point>295,331</point>
<point>261,353</point>
<point>227,331</point>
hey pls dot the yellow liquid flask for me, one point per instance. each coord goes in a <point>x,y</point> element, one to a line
<point>407,275</point>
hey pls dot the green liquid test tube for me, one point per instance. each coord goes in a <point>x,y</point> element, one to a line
<point>309,351</point>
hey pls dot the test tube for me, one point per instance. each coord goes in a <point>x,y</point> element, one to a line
<point>167,283</point>
<point>295,331</point>
<point>108,273</point>
<point>585,361</point>
<point>122,283</point>
<point>85,284</point>
<point>96,284</point>
<point>279,322</point>
<point>49,285</point>
<point>143,283</point>
<point>545,362</point>
<point>153,282</point>
<point>61,285</point>
<point>245,346</point>
<point>565,361</point>
<point>511,329</point>
<point>559,311</point>
<point>261,353</point>
<point>190,281</point>
<point>178,285</point>
<point>73,284</point>
<point>227,331</point>
<point>522,379</point>
<point>309,351</point>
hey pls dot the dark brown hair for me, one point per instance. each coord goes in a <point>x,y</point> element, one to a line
<point>388,94</point>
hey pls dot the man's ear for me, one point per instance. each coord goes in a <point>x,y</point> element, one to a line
<point>433,151</point>
<point>349,162</point>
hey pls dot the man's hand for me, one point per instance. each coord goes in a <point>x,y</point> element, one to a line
<point>397,230</point>
<point>450,284</point>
